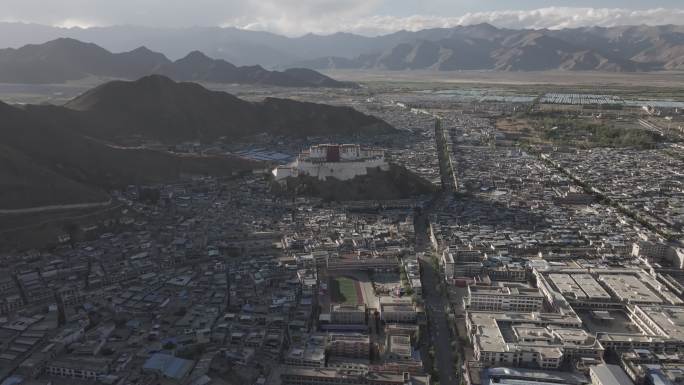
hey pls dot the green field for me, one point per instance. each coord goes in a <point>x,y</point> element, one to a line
<point>343,290</point>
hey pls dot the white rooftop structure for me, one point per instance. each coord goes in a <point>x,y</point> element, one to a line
<point>339,161</point>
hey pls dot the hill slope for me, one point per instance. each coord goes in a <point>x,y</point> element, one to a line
<point>397,183</point>
<point>157,108</point>
<point>44,163</point>
<point>53,155</point>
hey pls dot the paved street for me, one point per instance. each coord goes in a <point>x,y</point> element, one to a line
<point>439,327</point>
<point>435,304</point>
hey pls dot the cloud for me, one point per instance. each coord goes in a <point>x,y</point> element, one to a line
<point>296,17</point>
<point>550,17</point>
<point>287,16</point>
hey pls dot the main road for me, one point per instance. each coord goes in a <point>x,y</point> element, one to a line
<point>436,302</point>
<point>436,305</point>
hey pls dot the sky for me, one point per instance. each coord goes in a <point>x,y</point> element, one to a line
<point>367,17</point>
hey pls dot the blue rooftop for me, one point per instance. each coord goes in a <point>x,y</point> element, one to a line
<point>169,366</point>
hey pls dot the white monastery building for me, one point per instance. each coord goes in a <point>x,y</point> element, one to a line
<point>339,161</point>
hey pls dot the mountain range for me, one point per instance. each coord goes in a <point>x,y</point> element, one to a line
<point>481,47</point>
<point>52,155</point>
<point>484,47</point>
<point>65,59</point>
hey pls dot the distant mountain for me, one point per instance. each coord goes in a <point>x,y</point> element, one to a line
<point>482,46</point>
<point>65,154</point>
<point>660,47</point>
<point>65,59</point>
<point>241,47</point>
<point>509,51</point>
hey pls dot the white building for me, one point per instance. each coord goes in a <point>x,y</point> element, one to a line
<point>503,298</point>
<point>339,161</point>
<point>529,339</point>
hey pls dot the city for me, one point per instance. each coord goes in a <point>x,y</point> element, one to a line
<point>380,228</point>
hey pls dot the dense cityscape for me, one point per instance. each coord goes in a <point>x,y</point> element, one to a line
<point>546,260</point>
<point>447,204</point>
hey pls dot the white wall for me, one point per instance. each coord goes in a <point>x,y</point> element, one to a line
<point>322,171</point>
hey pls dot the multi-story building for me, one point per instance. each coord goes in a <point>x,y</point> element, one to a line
<point>399,348</point>
<point>311,354</point>
<point>448,263</point>
<point>458,262</point>
<point>664,322</point>
<point>646,367</point>
<point>304,376</point>
<point>540,340</point>
<point>80,368</point>
<point>348,314</point>
<point>397,310</point>
<point>351,345</point>
<point>10,303</point>
<point>503,298</point>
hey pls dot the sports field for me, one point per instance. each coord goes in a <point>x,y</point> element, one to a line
<point>345,290</point>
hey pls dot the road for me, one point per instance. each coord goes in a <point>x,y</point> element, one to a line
<point>440,334</point>
<point>41,209</point>
<point>435,305</point>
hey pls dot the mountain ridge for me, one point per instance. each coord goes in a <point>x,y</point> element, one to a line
<point>66,59</point>
<point>168,111</point>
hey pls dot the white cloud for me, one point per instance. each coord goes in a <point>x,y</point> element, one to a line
<point>550,17</point>
<point>76,23</point>
<point>286,16</point>
<point>296,17</point>
<point>568,17</point>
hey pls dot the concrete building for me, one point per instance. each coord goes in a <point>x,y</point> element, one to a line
<point>348,314</point>
<point>80,368</point>
<point>350,345</point>
<point>540,340</point>
<point>629,289</point>
<point>310,355</point>
<point>503,298</point>
<point>302,376</point>
<point>168,366</point>
<point>666,322</point>
<point>609,375</point>
<point>397,310</point>
<point>399,348</point>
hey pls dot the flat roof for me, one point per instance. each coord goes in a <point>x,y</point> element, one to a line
<point>610,375</point>
<point>591,288</point>
<point>567,286</point>
<point>670,319</point>
<point>629,288</point>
